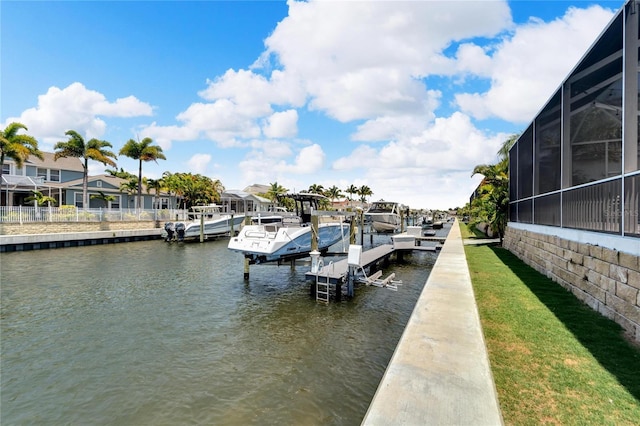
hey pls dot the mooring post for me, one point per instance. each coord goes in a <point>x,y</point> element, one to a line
<point>401,220</point>
<point>201,227</point>
<point>232,231</point>
<point>350,281</point>
<point>362,228</point>
<point>246,269</point>
<point>314,232</point>
<point>352,230</point>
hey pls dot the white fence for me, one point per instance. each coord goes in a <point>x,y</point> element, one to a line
<point>22,214</point>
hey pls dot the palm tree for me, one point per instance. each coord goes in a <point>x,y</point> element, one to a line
<point>218,188</point>
<point>143,150</point>
<point>130,187</point>
<point>352,189</point>
<point>40,199</point>
<point>276,191</point>
<point>122,174</point>
<point>172,185</point>
<point>17,146</point>
<point>492,203</point>
<point>316,189</point>
<point>503,152</point>
<point>94,149</point>
<point>157,185</point>
<point>364,191</point>
<point>104,197</point>
<point>333,193</point>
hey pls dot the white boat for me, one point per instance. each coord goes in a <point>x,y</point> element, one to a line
<point>289,238</point>
<point>384,216</point>
<point>215,223</point>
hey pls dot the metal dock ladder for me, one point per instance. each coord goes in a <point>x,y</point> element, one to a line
<point>322,289</point>
<point>323,285</point>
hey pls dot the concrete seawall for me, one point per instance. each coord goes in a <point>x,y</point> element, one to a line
<point>439,373</point>
<point>9,243</point>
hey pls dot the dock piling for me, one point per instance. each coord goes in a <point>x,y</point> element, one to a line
<point>201,227</point>
<point>246,269</point>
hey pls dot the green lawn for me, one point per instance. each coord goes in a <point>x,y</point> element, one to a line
<point>554,360</point>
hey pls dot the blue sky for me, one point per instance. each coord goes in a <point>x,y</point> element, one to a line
<point>404,97</point>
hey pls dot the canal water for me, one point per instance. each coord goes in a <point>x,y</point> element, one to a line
<point>150,333</point>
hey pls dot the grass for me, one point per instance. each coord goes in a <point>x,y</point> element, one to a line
<point>471,231</point>
<point>554,360</point>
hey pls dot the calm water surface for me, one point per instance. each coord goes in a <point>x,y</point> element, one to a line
<point>153,333</point>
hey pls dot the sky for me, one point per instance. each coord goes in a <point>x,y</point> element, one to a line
<point>406,97</point>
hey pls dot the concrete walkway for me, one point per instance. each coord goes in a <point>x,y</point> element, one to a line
<point>439,373</point>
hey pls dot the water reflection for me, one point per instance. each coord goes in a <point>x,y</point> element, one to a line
<point>153,333</point>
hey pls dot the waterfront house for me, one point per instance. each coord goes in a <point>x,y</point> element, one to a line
<point>61,179</point>
<point>574,177</point>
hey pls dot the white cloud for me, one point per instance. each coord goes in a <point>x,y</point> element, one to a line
<point>221,121</point>
<point>238,102</point>
<point>421,169</point>
<point>78,108</point>
<point>359,158</point>
<point>164,135</point>
<point>361,59</point>
<point>309,160</point>
<point>198,163</point>
<point>267,162</point>
<point>281,124</point>
<point>271,149</point>
<point>528,66</point>
<point>474,60</point>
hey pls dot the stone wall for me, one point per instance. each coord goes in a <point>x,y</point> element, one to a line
<point>62,227</point>
<point>607,280</point>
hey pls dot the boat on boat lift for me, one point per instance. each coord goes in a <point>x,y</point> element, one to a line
<point>290,237</point>
<point>384,216</point>
<point>216,224</point>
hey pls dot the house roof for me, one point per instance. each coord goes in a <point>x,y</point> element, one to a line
<point>257,189</point>
<point>237,194</point>
<point>63,163</point>
<point>110,180</point>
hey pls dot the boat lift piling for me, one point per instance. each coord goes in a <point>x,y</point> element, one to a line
<point>247,221</point>
<point>202,227</point>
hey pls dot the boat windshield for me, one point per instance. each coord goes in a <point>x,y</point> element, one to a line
<point>378,207</point>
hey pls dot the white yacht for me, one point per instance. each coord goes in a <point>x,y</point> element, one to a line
<point>384,216</point>
<point>215,222</point>
<point>268,239</point>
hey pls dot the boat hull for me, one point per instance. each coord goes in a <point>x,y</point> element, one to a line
<point>264,243</point>
<point>385,222</point>
<point>212,228</point>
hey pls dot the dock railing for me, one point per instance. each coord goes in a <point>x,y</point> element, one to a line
<point>41,214</point>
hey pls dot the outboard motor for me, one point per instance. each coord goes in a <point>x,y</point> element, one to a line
<point>170,230</point>
<point>180,228</point>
